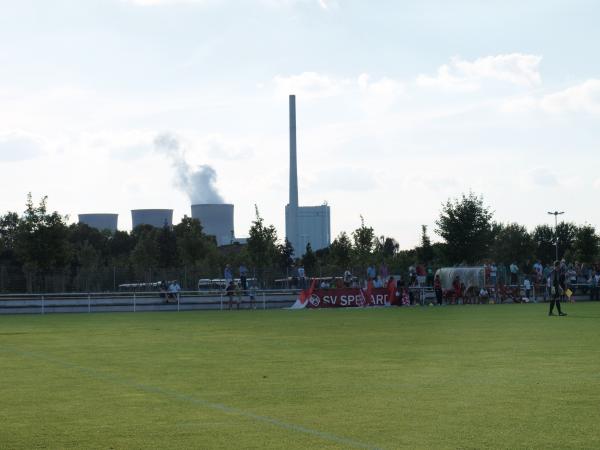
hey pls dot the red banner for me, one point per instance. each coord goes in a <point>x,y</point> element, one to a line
<point>347,298</point>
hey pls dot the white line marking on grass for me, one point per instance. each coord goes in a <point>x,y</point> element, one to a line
<point>193,400</point>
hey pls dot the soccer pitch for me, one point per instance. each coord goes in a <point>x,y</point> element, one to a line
<point>500,376</point>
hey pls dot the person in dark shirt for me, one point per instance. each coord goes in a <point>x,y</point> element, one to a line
<point>557,278</point>
<point>230,293</point>
<point>437,287</point>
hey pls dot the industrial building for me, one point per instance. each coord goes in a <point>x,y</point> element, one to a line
<point>156,217</point>
<point>100,221</point>
<point>216,220</point>
<point>303,224</point>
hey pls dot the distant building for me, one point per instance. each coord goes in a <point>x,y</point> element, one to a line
<point>313,227</point>
<point>100,221</point>
<point>216,220</point>
<point>156,217</point>
<point>303,224</point>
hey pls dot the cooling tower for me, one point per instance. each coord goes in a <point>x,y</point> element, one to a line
<point>216,220</point>
<point>100,221</point>
<point>156,217</point>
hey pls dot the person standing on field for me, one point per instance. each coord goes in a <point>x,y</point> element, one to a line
<point>556,290</point>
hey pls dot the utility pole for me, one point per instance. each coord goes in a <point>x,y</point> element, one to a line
<point>556,214</point>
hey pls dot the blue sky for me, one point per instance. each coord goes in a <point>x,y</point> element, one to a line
<point>401,105</point>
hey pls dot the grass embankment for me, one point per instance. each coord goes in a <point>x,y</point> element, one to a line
<point>503,376</point>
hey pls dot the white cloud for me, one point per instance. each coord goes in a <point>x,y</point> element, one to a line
<point>310,85</point>
<point>343,179</point>
<point>19,147</point>
<point>581,98</point>
<point>385,86</point>
<point>461,75</point>
<point>323,4</point>
<point>584,97</point>
<point>168,2</point>
<point>328,4</point>
<point>542,177</point>
<point>377,95</point>
<point>520,104</point>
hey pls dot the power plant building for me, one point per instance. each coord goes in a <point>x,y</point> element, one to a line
<point>303,224</point>
<point>216,220</point>
<point>156,217</point>
<point>100,221</point>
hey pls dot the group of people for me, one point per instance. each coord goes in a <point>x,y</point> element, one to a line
<point>236,290</point>
<point>169,291</point>
<point>555,284</point>
<point>577,275</point>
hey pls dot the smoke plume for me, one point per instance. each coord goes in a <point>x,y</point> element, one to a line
<point>197,182</point>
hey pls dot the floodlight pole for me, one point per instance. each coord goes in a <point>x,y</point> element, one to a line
<point>556,214</point>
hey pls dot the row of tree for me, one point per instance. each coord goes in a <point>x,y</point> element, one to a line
<point>39,251</point>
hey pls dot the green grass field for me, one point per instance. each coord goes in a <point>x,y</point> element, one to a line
<point>501,376</point>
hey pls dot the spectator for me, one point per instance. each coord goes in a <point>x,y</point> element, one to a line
<point>294,277</point>
<point>228,275</point>
<point>174,290</point>
<point>230,293</point>
<point>243,276</point>
<point>405,297</point>
<point>413,280</point>
<point>571,276</point>
<point>162,289</point>
<point>594,283</point>
<point>429,277</point>
<point>546,272</point>
<point>421,274</point>
<point>466,293</point>
<point>484,295</point>
<point>301,277</point>
<point>412,271</point>
<point>383,271</point>
<point>391,289</point>
<point>437,287</point>
<point>514,273</point>
<point>456,288</point>
<point>527,288</point>
<point>347,278</point>
<point>371,272</point>
<point>493,274</point>
<point>252,295</point>
<point>538,268</point>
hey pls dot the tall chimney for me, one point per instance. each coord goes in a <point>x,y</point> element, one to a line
<point>291,209</point>
<point>293,164</point>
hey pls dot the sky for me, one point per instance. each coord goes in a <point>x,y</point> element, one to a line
<point>113,105</point>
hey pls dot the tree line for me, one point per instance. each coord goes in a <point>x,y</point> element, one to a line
<point>40,252</point>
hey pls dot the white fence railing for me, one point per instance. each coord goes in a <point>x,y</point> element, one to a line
<point>143,301</point>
